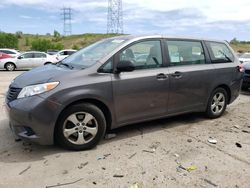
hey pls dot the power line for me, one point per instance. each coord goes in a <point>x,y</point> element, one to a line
<point>67,17</point>
<point>115,17</point>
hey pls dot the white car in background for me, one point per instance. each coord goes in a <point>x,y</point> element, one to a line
<point>26,60</point>
<point>11,52</point>
<point>245,57</point>
<point>63,54</point>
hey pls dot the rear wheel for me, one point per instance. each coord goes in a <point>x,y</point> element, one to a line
<point>217,103</point>
<point>10,66</point>
<point>80,127</point>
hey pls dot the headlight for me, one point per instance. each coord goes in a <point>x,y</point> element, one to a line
<point>37,89</point>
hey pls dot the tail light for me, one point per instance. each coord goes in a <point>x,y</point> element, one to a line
<point>240,68</point>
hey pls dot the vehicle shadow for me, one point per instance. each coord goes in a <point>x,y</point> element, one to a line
<point>17,152</point>
<point>245,92</point>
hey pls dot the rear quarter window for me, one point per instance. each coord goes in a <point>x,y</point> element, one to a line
<point>219,52</point>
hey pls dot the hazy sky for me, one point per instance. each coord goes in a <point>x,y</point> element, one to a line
<point>219,19</point>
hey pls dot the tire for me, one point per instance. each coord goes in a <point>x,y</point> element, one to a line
<point>10,66</point>
<point>75,124</point>
<point>217,103</point>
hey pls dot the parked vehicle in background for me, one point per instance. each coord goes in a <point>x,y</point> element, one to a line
<point>26,60</point>
<point>246,77</point>
<point>4,55</point>
<point>52,52</point>
<point>11,52</point>
<point>63,54</point>
<point>245,57</point>
<point>103,87</point>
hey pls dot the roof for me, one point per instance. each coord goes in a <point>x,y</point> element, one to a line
<point>137,37</point>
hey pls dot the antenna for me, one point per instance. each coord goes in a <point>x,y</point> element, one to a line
<point>67,16</point>
<point>115,18</point>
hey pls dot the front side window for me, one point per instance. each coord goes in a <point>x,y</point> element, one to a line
<point>27,55</point>
<point>39,55</point>
<point>143,55</point>
<point>185,52</point>
<point>107,68</point>
<point>219,52</point>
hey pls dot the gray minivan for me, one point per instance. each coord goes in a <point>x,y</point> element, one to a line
<point>120,81</point>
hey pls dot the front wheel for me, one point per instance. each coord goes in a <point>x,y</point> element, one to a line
<point>80,127</point>
<point>10,67</point>
<point>217,103</point>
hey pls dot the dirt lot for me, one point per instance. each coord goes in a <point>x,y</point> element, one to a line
<point>153,154</point>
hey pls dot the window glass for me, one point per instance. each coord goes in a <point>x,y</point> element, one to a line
<point>143,55</point>
<point>107,68</point>
<point>7,52</point>
<point>245,56</point>
<point>219,52</point>
<point>39,55</point>
<point>70,52</point>
<point>27,55</point>
<point>185,53</point>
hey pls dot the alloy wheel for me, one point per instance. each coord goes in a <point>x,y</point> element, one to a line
<point>80,128</point>
<point>218,103</point>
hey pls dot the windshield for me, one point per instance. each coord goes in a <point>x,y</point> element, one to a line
<point>245,56</point>
<point>88,56</point>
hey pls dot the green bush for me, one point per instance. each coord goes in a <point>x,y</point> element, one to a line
<point>8,40</point>
<point>44,45</point>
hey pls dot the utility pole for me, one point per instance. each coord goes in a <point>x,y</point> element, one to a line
<point>115,17</point>
<point>67,17</point>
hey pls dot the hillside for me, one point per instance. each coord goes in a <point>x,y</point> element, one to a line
<point>68,41</point>
<point>83,40</point>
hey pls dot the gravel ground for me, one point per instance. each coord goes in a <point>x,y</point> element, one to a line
<point>172,152</point>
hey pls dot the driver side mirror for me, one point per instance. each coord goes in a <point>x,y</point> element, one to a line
<point>125,66</point>
<point>20,57</point>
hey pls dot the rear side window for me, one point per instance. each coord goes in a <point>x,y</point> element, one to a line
<point>185,52</point>
<point>7,52</point>
<point>219,52</point>
<point>27,55</point>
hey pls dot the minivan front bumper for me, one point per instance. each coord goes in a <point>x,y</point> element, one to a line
<point>33,119</point>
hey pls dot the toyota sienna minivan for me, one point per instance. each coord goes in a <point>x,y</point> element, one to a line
<point>120,81</point>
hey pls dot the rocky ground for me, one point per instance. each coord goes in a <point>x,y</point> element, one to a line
<point>172,152</point>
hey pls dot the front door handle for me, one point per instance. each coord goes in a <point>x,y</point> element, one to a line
<point>161,76</point>
<point>177,74</point>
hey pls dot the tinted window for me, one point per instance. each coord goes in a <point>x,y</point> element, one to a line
<point>219,52</point>
<point>39,55</point>
<point>143,55</point>
<point>7,52</point>
<point>27,55</point>
<point>70,52</point>
<point>185,53</point>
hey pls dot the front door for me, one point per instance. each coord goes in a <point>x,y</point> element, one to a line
<point>25,60</point>
<point>142,93</point>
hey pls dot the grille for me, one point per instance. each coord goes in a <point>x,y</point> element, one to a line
<point>13,93</point>
<point>247,71</point>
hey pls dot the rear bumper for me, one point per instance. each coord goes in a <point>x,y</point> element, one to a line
<point>33,119</point>
<point>235,90</point>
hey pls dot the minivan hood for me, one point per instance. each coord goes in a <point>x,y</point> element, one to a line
<point>39,75</point>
